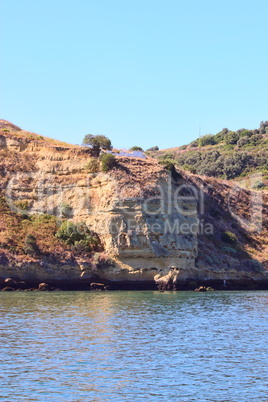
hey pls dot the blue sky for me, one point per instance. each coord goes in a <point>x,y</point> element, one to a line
<point>143,72</point>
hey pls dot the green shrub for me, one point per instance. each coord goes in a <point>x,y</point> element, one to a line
<point>22,204</point>
<point>190,168</point>
<point>207,140</point>
<point>193,158</point>
<point>167,156</point>
<point>229,237</point>
<point>231,138</point>
<point>42,219</point>
<point>263,127</point>
<point>93,165</point>
<point>219,137</point>
<point>245,133</point>
<point>255,139</point>
<point>236,163</point>
<point>135,148</point>
<point>238,153</point>
<point>78,235</point>
<point>194,144</point>
<point>108,162</point>
<point>96,143</point>
<point>70,232</point>
<point>167,165</point>
<point>153,148</point>
<point>243,141</point>
<point>216,164</point>
<point>228,147</point>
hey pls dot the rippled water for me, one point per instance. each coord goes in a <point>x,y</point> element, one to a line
<point>134,346</point>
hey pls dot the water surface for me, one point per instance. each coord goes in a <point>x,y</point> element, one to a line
<point>134,346</point>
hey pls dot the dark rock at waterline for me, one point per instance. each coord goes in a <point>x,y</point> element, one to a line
<point>201,289</point>
<point>243,284</point>
<point>9,282</point>
<point>97,286</point>
<point>8,289</point>
<point>204,289</point>
<point>16,285</point>
<point>22,285</point>
<point>191,285</point>
<point>43,286</point>
<point>164,286</point>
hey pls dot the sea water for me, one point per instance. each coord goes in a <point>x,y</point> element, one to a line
<point>134,346</point>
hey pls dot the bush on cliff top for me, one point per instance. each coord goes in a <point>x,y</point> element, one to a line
<point>96,143</point>
<point>135,148</point>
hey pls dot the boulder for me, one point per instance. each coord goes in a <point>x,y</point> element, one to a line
<point>201,289</point>
<point>97,286</point>
<point>7,289</point>
<point>9,282</point>
<point>43,286</point>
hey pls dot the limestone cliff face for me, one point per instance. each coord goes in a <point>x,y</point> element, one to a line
<point>139,226</point>
<point>143,236</point>
<point>148,220</point>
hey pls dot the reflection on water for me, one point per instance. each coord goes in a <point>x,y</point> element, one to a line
<point>134,346</point>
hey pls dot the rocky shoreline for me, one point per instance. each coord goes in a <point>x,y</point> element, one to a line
<point>11,284</point>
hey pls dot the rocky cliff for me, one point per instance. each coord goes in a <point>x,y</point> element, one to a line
<point>156,227</point>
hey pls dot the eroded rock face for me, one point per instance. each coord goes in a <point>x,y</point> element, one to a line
<point>146,219</point>
<point>146,227</point>
<point>149,237</point>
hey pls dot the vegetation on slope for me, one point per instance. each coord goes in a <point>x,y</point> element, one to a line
<point>226,155</point>
<point>236,242</point>
<point>38,237</point>
<point>42,235</point>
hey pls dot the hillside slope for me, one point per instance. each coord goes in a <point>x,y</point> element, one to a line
<point>64,221</point>
<point>226,155</point>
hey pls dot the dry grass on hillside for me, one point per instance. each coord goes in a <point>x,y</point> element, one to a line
<point>14,229</point>
<point>138,175</point>
<point>10,130</point>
